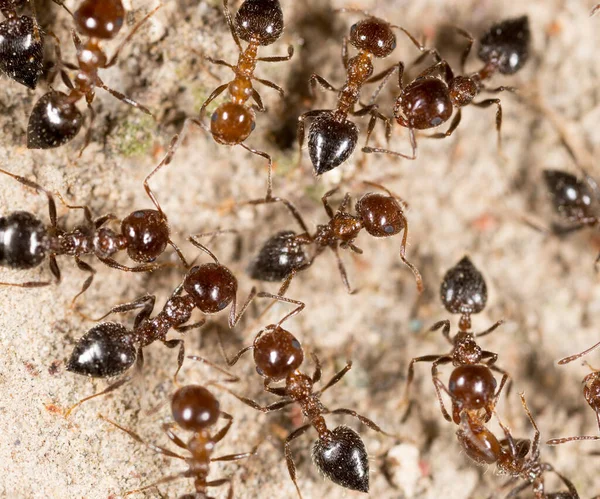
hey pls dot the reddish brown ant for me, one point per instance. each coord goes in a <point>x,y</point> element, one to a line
<point>260,23</point>
<point>463,291</point>
<point>278,356</point>
<point>511,456</point>
<point>196,410</point>
<point>110,349</point>
<point>26,242</point>
<point>429,100</point>
<point>591,393</point>
<point>55,119</point>
<point>380,215</point>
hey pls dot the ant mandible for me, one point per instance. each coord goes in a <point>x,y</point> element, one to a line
<point>429,100</point>
<point>278,356</point>
<point>381,215</point>
<point>196,410</point>
<point>260,23</point>
<point>55,119</point>
<point>110,349</point>
<point>591,393</point>
<point>26,242</point>
<point>332,137</point>
<point>463,291</point>
<point>510,456</point>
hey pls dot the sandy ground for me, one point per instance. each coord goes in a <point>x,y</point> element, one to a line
<point>463,198</point>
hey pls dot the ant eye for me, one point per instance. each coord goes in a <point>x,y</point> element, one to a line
<point>353,29</point>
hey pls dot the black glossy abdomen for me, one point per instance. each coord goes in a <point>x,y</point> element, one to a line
<point>22,241</point>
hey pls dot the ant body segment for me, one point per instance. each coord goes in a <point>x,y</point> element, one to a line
<point>381,215</point>
<point>26,242</point>
<point>278,356</point>
<point>430,99</point>
<point>195,410</point>
<point>110,349</point>
<point>55,119</point>
<point>260,23</point>
<point>463,291</point>
<point>511,456</point>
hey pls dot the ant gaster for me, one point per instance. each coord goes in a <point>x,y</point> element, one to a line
<point>196,410</point>
<point>429,100</point>
<point>591,393</point>
<point>110,349</point>
<point>259,23</point>
<point>332,137</point>
<point>511,456</point>
<point>25,241</point>
<point>381,215</point>
<point>21,46</point>
<point>340,453</point>
<point>55,119</point>
<point>463,291</point>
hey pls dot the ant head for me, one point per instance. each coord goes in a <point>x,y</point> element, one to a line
<point>506,44</point>
<point>104,351</point>
<point>479,443</point>
<point>212,287</point>
<point>54,121</point>
<point>194,408</point>
<point>425,103</point>
<point>22,240</point>
<point>330,142</point>
<point>100,19</point>
<point>570,197</point>
<point>146,233</point>
<point>232,123</point>
<point>381,215</point>
<point>373,35</point>
<point>279,256</point>
<point>463,290</point>
<point>259,21</point>
<point>277,353</point>
<point>343,459</point>
<point>472,387</point>
<point>21,50</point>
<point>463,90</point>
<point>591,390</point>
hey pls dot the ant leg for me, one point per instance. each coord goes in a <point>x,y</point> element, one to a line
<point>296,311</point>
<point>106,391</point>
<point>146,303</point>
<point>145,267</point>
<point>413,145</point>
<point>232,28</point>
<point>564,440</point>
<point>325,201</point>
<point>509,382</point>
<point>255,405</point>
<point>439,386</point>
<point>181,345</point>
<point>572,490</point>
<point>364,420</point>
<point>260,107</point>
<point>464,56</point>
<point>316,79</point>
<point>232,378</point>
<point>269,194</point>
<point>61,4</point>
<point>235,318</point>
<point>415,271</point>
<point>166,427</point>
<point>291,208</point>
<point>336,377</point>
<point>236,457</point>
<point>220,62</point>
<point>411,375</point>
<point>517,490</point>
<point>595,9</point>
<point>490,102</point>
<point>216,92</point>
<point>571,358</point>
<point>342,270</point>
<point>123,98</point>
<point>372,122</point>
<point>114,58</point>
<point>270,84</point>
<point>89,97</point>
<point>490,329</point>
<point>156,448</point>
<point>88,282</point>
<point>289,458</point>
<point>300,132</point>
<point>445,331</point>
<point>280,58</point>
<point>535,446</point>
<point>345,42</point>
<point>453,126</point>
<point>87,212</point>
<point>100,221</point>
<point>384,76</point>
<point>316,377</point>
<point>167,479</point>
<point>197,244</point>
<point>39,284</point>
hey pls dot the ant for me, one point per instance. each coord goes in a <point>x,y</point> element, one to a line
<point>510,456</point>
<point>429,100</point>
<point>21,46</point>
<point>380,215</point>
<point>25,241</point>
<point>463,291</point>
<point>194,409</point>
<point>260,23</point>
<point>55,119</point>
<point>591,393</point>
<point>332,137</point>
<point>340,453</point>
<point>110,349</point>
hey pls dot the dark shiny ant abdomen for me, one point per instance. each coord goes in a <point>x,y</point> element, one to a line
<point>506,44</point>
<point>54,121</point>
<point>330,142</point>
<point>463,290</point>
<point>23,241</point>
<point>279,256</point>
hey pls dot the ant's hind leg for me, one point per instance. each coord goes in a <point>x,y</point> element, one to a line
<point>289,458</point>
<point>301,126</point>
<point>269,195</point>
<point>123,98</point>
<point>488,103</point>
